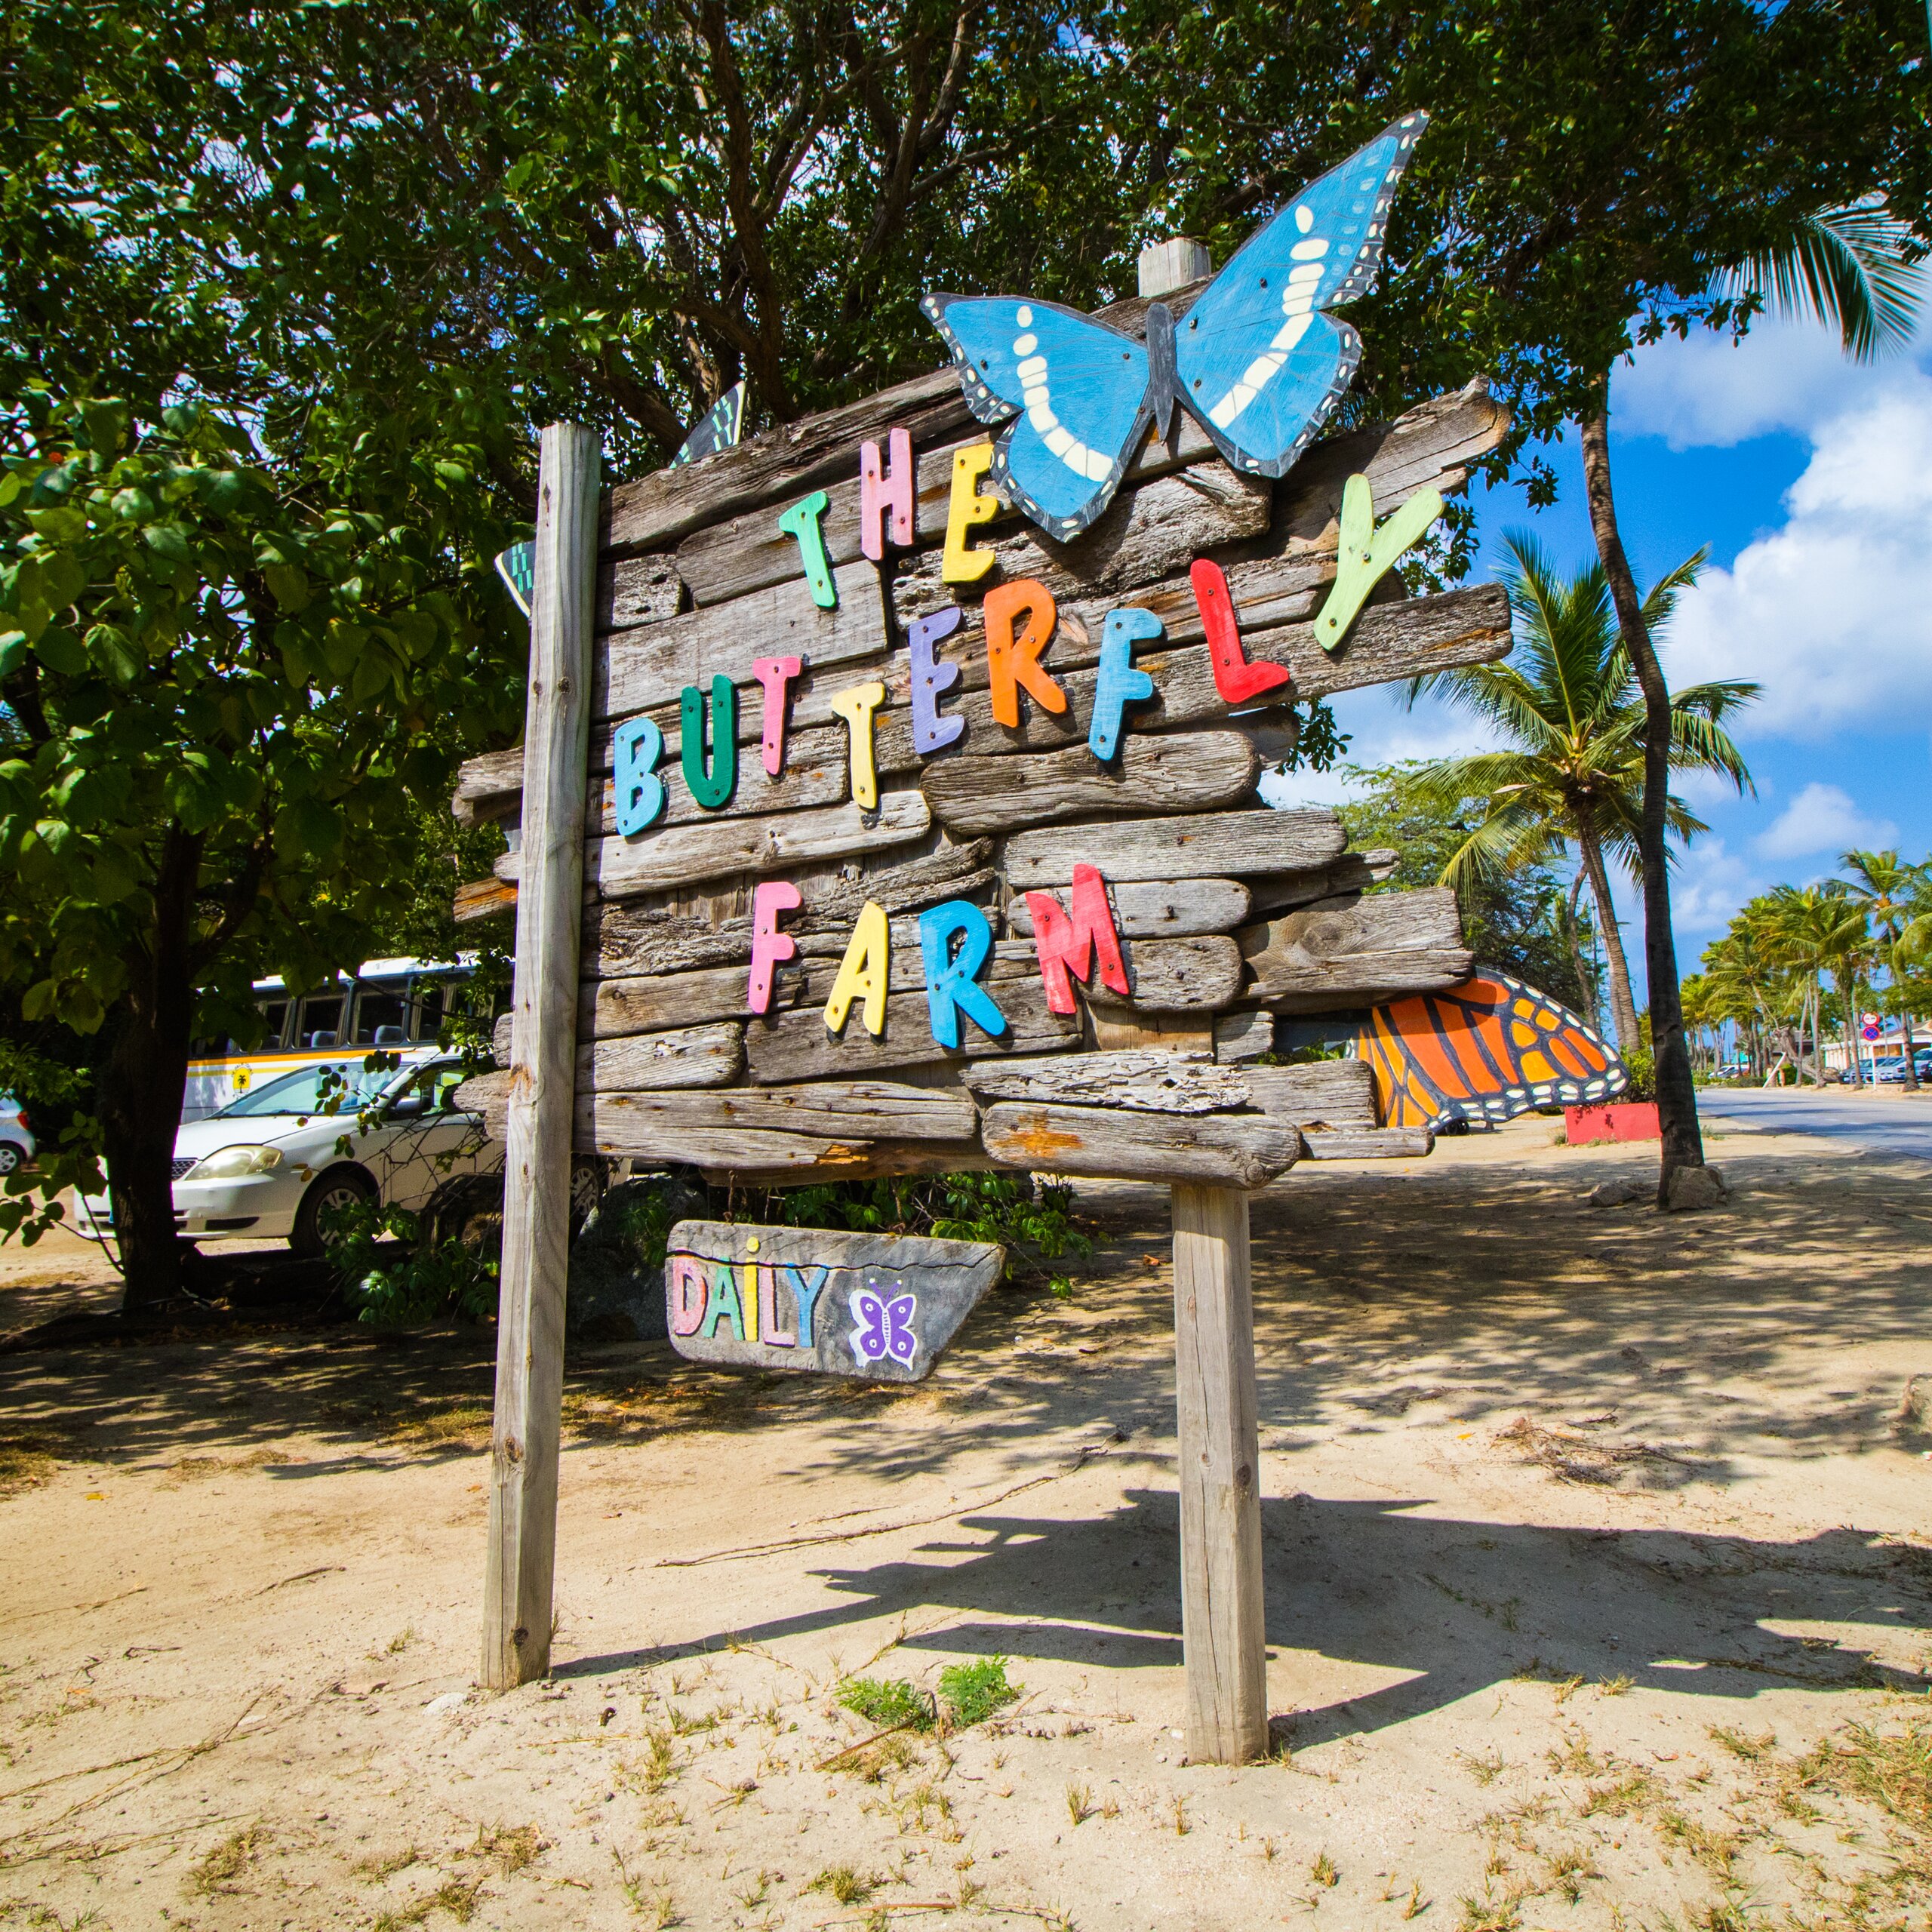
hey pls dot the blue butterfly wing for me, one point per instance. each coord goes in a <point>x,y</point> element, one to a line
<point>1078,387</point>
<point>1260,366</point>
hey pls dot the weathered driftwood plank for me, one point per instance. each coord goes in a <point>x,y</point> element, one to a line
<point>622,938</point>
<point>864,1160</point>
<point>688,854</point>
<point>709,1056</point>
<point>833,1109</point>
<point>483,899</point>
<point>1198,975</point>
<point>1353,872</point>
<point>1240,1036</point>
<point>794,1045</point>
<point>1336,950</point>
<point>647,1124</point>
<point>638,590</point>
<point>1368,1143</point>
<point>1328,1094</point>
<point>808,780</point>
<point>636,670</point>
<point>1150,909</point>
<point>1177,771</point>
<point>793,1299</point>
<point>1210,845</point>
<point>781,465</point>
<point>1221,1150</point>
<point>1146,1080</point>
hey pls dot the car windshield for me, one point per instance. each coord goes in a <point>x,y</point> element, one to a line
<point>343,1089</point>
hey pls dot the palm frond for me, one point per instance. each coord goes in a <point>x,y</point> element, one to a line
<point>1851,269</point>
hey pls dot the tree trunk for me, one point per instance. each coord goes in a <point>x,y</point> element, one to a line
<point>1683,1145</point>
<point>1905,1018</point>
<point>1623,1007</point>
<point>1586,985</point>
<point>142,1082</point>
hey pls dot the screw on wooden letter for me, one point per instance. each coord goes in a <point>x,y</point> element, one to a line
<point>880,1308</point>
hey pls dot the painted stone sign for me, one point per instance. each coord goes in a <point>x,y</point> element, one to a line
<point>881,1308</point>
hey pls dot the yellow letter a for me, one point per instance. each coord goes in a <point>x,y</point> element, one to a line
<point>863,971</point>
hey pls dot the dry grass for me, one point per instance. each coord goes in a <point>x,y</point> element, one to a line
<point>216,1871</point>
<point>26,1462</point>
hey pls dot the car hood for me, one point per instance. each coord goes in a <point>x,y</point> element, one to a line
<point>316,1139</point>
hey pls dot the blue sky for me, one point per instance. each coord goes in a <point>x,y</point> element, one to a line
<point>1811,479</point>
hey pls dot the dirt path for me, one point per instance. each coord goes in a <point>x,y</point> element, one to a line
<point>1590,1534</point>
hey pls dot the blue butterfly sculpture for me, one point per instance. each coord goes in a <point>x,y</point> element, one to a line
<point>1256,361</point>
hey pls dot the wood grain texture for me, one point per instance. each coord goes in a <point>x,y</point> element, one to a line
<point>1222,1150</point>
<point>526,1429</point>
<point>794,1045</point>
<point>1150,909</point>
<point>650,1124</point>
<point>1192,975</point>
<point>1219,1465</point>
<point>638,670</point>
<point>1146,1080</point>
<point>1210,845</point>
<point>1384,942</point>
<point>1329,1093</point>
<point>1178,772</point>
<point>1368,1143</point>
<point>683,855</point>
<point>1243,1035</point>
<point>638,590</point>
<point>1352,874</point>
<point>711,1056</point>
<point>781,465</point>
<point>483,899</point>
<point>871,1160</point>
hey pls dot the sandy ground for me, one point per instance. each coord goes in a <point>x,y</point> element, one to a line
<point>1596,1573</point>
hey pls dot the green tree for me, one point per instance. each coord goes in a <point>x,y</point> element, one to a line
<point>1566,704</point>
<point>1888,889</point>
<point>225,681</point>
<point>1523,921</point>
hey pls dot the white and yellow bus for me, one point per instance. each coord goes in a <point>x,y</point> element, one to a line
<point>391,1005</point>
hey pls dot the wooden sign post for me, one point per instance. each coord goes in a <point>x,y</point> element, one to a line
<point>527,1427</point>
<point>905,778</point>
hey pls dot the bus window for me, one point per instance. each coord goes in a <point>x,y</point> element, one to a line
<point>381,1019</point>
<point>274,1022</point>
<point>430,1006</point>
<point>321,1022</point>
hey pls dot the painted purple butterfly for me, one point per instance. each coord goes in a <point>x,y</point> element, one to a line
<point>881,1327</point>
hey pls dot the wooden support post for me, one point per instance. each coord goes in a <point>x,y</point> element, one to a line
<point>527,1425</point>
<point>1222,1622</point>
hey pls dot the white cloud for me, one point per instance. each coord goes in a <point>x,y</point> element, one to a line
<point>1832,613</point>
<point>1707,391</point>
<point>1822,818</point>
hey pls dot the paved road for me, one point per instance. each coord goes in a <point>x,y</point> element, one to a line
<point>1884,1123</point>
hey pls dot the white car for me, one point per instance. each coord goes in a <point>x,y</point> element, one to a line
<point>15,1143</point>
<point>271,1164</point>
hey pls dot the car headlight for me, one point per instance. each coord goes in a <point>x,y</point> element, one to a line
<point>231,1163</point>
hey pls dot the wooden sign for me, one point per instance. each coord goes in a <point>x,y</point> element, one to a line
<point>891,803</point>
<point>880,1308</point>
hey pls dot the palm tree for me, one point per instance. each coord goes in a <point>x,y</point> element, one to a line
<point>1890,889</point>
<point>1853,268</point>
<point>1567,700</point>
<point>1699,1001</point>
<point>1811,927</point>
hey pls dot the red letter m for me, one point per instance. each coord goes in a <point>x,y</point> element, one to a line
<point>1068,946</point>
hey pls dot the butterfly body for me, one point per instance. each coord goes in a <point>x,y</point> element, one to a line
<point>1254,360</point>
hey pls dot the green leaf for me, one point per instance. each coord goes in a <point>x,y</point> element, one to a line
<point>59,648</point>
<point>14,645</point>
<point>115,653</point>
<point>288,584</point>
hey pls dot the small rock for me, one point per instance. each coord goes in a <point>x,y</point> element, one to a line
<point>1698,1187</point>
<point>1915,1411</point>
<point>450,1700</point>
<point>1622,1192</point>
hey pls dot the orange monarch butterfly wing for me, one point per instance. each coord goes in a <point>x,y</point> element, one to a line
<point>1489,1049</point>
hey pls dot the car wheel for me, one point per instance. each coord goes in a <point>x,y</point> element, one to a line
<point>340,1187</point>
<point>10,1157</point>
